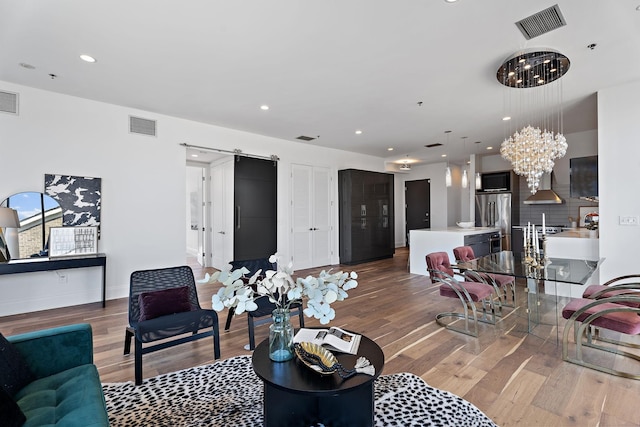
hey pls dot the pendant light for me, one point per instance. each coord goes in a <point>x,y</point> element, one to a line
<point>532,78</point>
<point>478,181</point>
<point>465,179</point>
<point>447,172</point>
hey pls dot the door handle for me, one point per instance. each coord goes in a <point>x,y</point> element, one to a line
<point>237,217</point>
<point>221,232</point>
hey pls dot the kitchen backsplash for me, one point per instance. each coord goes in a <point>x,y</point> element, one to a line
<point>554,214</point>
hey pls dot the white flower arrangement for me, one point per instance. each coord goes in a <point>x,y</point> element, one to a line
<point>282,290</point>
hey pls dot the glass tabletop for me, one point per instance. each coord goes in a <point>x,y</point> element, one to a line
<point>575,271</point>
<point>543,280</point>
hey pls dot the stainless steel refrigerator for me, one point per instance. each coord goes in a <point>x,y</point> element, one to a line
<point>496,210</point>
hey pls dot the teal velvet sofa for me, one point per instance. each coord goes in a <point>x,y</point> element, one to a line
<point>67,390</point>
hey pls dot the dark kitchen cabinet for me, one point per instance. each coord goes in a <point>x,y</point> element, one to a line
<point>366,216</point>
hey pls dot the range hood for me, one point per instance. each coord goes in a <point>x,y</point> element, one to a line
<point>545,195</point>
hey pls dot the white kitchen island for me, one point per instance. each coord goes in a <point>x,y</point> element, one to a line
<point>428,240</point>
<point>577,243</point>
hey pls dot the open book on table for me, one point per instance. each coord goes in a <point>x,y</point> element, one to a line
<point>332,339</point>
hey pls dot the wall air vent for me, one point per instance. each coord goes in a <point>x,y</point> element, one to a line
<point>8,102</point>
<point>437,144</point>
<point>542,22</point>
<point>305,138</point>
<point>142,126</point>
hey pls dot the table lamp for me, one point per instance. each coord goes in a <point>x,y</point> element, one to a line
<point>8,219</point>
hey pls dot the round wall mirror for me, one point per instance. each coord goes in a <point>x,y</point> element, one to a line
<point>37,213</point>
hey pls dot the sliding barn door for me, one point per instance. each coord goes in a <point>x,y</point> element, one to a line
<point>255,209</point>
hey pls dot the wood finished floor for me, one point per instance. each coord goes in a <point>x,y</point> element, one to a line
<point>517,379</point>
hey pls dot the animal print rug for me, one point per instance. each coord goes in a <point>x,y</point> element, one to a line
<point>228,393</point>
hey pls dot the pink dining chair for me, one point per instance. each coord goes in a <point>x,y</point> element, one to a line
<point>469,293</point>
<point>612,288</point>
<point>619,313</point>
<point>502,281</point>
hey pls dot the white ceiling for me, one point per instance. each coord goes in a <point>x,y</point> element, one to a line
<point>326,68</point>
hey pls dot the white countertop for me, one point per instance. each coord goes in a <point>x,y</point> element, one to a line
<point>575,233</point>
<point>470,230</point>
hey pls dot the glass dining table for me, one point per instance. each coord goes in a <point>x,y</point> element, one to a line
<point>542,279</point>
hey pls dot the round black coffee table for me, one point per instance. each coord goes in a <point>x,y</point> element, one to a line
<point>294,395</point>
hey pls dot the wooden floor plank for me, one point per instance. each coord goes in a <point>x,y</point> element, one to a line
<point>514,377</point>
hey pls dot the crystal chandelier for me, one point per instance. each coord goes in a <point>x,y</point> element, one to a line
<point>533,149</point>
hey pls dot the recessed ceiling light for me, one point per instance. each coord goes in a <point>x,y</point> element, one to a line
<point>88,58</point>
<point>444,155</point>
<point>264,107</point>
<point>27,66</point>
<point>505,118</point>
<point>194,155</point>
<point>489,148</point>
<point>358,132</point>
<point>390,149</point>
<point>450,1</point>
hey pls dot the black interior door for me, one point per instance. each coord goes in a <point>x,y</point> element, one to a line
<point>255,210</point>
<point>417,195</point>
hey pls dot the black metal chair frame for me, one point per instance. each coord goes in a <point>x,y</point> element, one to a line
<point>169,326</point>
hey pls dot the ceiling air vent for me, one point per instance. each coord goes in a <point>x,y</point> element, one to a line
<point>541,22</point>
<point>8,102</point>
<point>436,144</point>
<point>142,126</point>
<point>305,138</point>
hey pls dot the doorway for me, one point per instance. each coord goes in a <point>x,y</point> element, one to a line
<point>195,228</point>
<point>417,196</point>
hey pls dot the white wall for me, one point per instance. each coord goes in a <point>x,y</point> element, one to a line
<point>618,165</point>
<point>143,185</point>
<point>439,197</point>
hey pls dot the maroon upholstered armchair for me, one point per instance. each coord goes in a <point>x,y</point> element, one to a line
<point>506,283</point>
<point>593,321</point>
<point>468,292</point>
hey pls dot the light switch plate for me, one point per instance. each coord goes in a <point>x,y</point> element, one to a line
<point>628,220</point>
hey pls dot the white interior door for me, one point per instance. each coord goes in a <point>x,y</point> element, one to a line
<point>222,213</point>
<point>195,207</point>
<point>311,206</point>
<point>301,216</point>
<point>322,206</point>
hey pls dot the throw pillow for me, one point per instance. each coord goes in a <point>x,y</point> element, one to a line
<point>14,372</point>
<point>12,416</point>
<point>161,303</point>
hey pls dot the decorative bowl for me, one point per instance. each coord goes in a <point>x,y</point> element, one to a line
<point>307,351</point>
<point>467,224</point>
